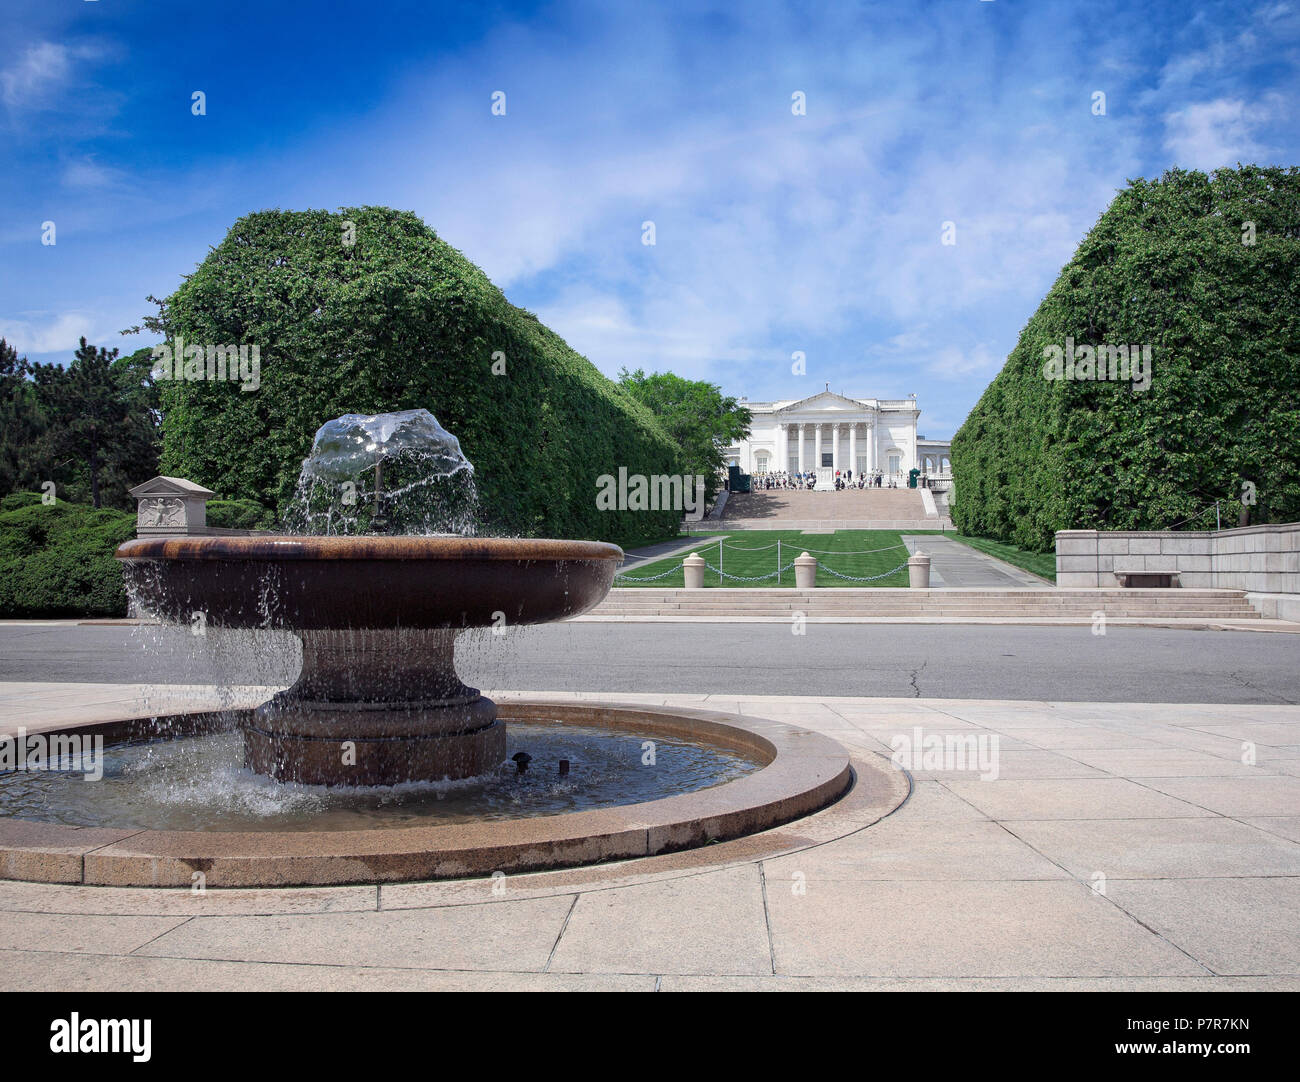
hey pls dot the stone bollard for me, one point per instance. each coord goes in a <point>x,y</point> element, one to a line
<point>693,567</point>
<point>805,572</point>
<point>918,571</point>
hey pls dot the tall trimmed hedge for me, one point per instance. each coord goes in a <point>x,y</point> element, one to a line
<point>397,320</point>
<point>1165,266</point>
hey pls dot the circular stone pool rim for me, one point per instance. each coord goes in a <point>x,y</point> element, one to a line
<point>803,772</point>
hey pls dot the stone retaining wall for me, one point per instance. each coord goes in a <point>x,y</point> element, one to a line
<point>1264,561</point>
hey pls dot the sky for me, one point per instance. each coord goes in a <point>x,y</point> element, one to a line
<point>800,162</point>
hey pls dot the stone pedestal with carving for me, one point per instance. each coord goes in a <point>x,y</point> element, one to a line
<point>171,507</point>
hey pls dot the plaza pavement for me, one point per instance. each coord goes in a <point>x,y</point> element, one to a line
<point>1122,846</point>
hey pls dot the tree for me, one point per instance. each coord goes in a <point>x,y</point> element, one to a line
<point>21,423</point>
<point>101,414</point>
<point>699,418</point>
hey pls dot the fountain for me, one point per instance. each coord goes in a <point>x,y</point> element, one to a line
<point>379,763</point>
<point>378,700</point>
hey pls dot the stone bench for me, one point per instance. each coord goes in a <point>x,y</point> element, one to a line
<point>1149,580</point>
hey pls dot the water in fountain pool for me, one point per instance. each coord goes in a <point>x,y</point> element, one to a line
<point>200,783</point>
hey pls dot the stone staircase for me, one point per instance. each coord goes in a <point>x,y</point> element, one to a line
<point>904,604</point>
<point>861,509</point>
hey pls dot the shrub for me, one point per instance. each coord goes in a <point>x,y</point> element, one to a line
<point>57,560</point>
<point>240,515</point>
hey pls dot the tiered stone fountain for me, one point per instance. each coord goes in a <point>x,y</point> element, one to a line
<point>378,700</point>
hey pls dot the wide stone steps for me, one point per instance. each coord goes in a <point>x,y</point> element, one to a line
<point>867,508</point>
<point>970,604</point>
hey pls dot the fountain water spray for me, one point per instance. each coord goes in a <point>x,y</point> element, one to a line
<point>420,481</point>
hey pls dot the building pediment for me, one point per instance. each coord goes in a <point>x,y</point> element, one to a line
<point>828,401</point>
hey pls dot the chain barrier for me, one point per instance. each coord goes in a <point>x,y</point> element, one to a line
<point>651,578</point>
<point>861,552</point>
<point>770,575</point>
<point>748,578</point>
<point>855,578</point>
<point>820,552</point>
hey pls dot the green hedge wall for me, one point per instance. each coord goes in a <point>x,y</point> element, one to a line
<point>240,515</point>
<point>1165,266</point>
<point>398,320</point>
<point>57,560</point>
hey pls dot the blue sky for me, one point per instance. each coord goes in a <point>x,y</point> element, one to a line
<point>774,232</point>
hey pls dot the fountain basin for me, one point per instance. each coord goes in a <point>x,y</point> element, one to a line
<point>378,701</point>
<point>802,772</point>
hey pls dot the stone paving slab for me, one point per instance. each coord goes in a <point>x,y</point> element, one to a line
<point>18,897</point>
<point>82,934</point>
<point>1165,762</point>
<point>783,983</point>
<point>901,848</point>
<point>964,929</point>
<point>1235,796</point>
<point>710,923</point>
<point>24,970</point>
<point>1284,826</point>
<point>1073,798</point>
<point>1158,848</point>
<point>503,935</point>
<point>1232,926</point>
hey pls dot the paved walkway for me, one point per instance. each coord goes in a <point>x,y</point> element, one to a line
<point>957,566</point>
<point>677,547</point>
<point>1119,847</point>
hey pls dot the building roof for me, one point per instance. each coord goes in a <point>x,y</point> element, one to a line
<point>834,401</point>
<point>169,486</point>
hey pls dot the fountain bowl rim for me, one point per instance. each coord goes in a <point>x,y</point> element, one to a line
<point>284,547</point>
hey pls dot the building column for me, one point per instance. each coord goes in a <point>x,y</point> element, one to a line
<point>817,447</point>
<point>799,427</point>
<point>871,445</point>
<point>782,449</point>
<point>853,448</point>
<point>835,447</point>
<point>916,450</point>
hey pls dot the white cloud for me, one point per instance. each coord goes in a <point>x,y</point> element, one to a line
<point>88,173</point>
<point>1214,134</point>
<point>45,332</point>
<point>42,67</point>
<point>977,360</point>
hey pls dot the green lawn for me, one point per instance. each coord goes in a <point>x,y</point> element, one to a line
<point>1036,563</point>
<point>861,553</point>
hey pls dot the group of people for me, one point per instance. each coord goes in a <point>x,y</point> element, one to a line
<point>807,479</point>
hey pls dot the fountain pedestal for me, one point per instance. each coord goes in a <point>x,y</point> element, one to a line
<point>375,707</point>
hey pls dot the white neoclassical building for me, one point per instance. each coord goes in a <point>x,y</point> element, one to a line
<point>833,432</point>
